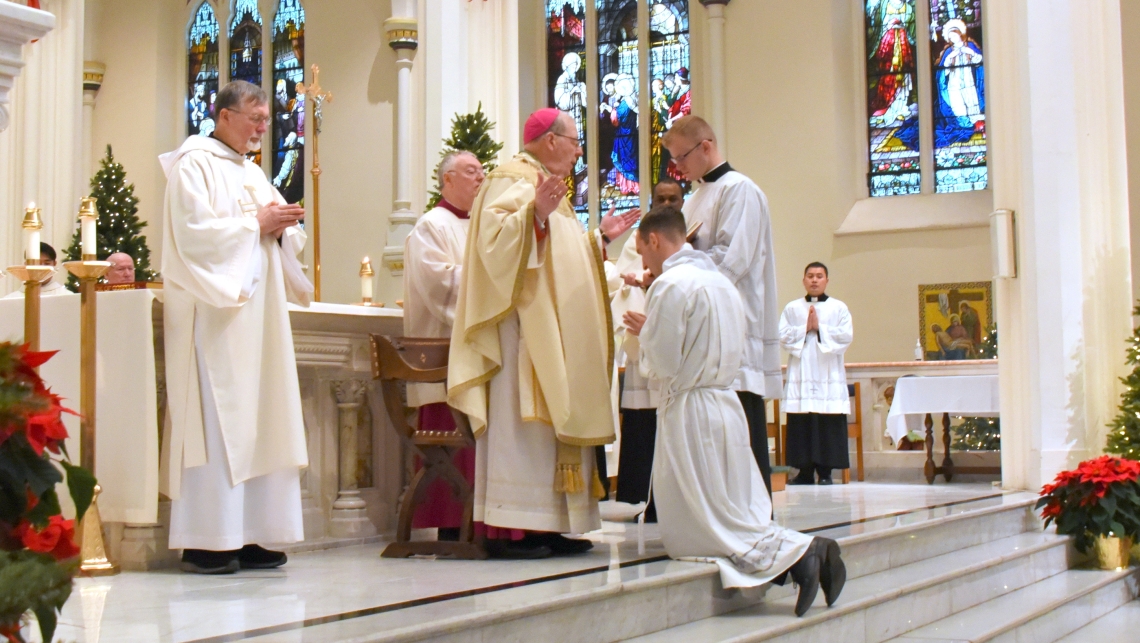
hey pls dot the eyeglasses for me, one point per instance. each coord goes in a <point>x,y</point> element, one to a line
<point>572,138</point>
<point>684,156</point>
<point>257,120</point>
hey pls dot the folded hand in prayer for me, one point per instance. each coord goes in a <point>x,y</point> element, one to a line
<point>276,217</point>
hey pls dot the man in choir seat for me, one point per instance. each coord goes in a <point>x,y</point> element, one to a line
<point>122,269</point>
<point>638,400</point>
<point>52,286</point>
<point>234,441</point>
<point>532,349</point>
<point>816,332</point>
<point>736,233</point>
<point>711,502</point>
<point>433,264</point>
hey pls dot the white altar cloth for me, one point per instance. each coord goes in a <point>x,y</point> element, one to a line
<point>967,395</point>
<point>126,400</point>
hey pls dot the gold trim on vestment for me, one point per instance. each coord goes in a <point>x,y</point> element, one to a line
<point>599,266</point>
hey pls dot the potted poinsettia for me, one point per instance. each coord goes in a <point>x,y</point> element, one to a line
<point>38,552</point>
<point>1099,504</point>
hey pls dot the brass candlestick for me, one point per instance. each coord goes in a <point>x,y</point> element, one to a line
<point>93,554</point>
<point>316,99</point>
<point>33,274</point>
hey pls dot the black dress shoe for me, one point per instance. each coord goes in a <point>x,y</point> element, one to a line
<point>257,557</point>
<point>826,481</point>
<point>805,476</point>
<point>806,574</point>
<point>447,534</point>
<point>502,549</point>
<point>561,545</point>
<point>833,572</point>
<point>205,561</point>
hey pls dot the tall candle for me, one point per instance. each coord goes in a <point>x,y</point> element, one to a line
<point>366,280</point>
<point>31,234</point>
<point>87,234</point>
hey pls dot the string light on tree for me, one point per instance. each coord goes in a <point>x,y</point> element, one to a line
<point>1124,433</point>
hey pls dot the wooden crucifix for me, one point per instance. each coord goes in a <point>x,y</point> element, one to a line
<point>316,97</point>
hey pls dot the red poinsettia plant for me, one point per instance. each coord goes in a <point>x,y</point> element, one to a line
<point>1101,497</point>
<point>38,552</point>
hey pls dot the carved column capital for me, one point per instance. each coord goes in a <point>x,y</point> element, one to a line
<point>350,392</point>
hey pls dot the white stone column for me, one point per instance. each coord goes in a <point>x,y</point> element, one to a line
<point>1058,160</point>
<point>493,68</point>
<point>92,81</point>
<point>349,515</point>
<point>403,38</point>
<point>716,116</point>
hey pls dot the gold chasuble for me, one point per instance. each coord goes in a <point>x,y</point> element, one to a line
<point>557,287</point>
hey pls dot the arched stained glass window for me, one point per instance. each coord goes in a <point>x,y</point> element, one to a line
<point>203,70</point>
<point>245,42</point>
<point>289,106</point>
<point>958,84</point>
<point>668,78</point>
<point>892,97</point>
<point>619,159</point>
<point>566,62</point>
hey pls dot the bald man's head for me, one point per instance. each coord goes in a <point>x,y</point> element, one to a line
<point>122,269</point>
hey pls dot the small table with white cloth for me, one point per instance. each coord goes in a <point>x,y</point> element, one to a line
<point>915,397</point>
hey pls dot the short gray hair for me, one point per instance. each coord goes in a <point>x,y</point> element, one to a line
<point>237,93</point>
<point>447,164</point>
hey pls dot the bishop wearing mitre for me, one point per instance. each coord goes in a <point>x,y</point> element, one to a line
<point>532,349</point>
<point>433,266</point>
<point>234,441</point>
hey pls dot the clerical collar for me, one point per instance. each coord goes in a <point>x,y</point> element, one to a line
<point>717,172</point>
<point>812,300</point>
<point>443,203</point>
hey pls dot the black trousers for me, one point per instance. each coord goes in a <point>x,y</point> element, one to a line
<point>817,441</point>
<point>635,462</point>
<point>758,433</point>
<point>603,474</point>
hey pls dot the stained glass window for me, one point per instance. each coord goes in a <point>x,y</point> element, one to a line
<point>668,78</point>
<point>959,99</point>
<point>566,70</point>
<point>289,106</point>
<point>245,42</point>
<point>203,70</point>
<point>618,105</point>
<point>892,98</point>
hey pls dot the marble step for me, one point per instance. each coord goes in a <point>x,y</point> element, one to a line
<point>1109,627</point>
<point>631,601</point>
<point>1044,612</point>
<point>880,606</point>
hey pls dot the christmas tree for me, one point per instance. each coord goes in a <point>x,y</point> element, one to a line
<point>1124,433</point>
<point>119,228</point>
<point>469,133</point>
<point>981,434</point>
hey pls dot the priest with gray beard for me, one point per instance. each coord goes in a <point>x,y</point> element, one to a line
<point>234,441</point>
<point>711,502</point>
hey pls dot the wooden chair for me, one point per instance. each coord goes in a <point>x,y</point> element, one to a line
<point>778,431</point>
<point>397,360</point>
<point>855,430</point>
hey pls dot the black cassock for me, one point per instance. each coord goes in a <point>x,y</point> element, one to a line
<point>817,440</point>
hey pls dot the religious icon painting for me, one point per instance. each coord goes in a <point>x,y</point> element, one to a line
<point>954,319</point>
<point>203,71</point>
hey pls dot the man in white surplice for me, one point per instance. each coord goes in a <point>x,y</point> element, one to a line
<point>234,441</point>
<point>816,332</point>
<point>711,502</point>
<point>735,231</point>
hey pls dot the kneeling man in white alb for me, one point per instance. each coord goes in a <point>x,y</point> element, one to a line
<point>234,440</point>
<point>711,502</point>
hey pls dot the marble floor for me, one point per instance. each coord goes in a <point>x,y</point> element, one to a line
<point>320,587</point>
